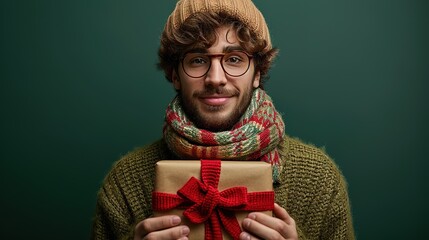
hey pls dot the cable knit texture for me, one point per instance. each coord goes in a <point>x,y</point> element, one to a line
<point>244,10</point>
<point>310,187</point>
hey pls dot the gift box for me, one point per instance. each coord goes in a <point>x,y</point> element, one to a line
<point>211,196</point>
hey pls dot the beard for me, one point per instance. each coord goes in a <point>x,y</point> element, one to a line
<point>216,123</point>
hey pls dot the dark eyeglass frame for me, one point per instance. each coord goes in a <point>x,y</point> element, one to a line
<point>222,55</point>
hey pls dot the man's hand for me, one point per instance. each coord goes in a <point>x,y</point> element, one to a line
<point>164,227</point>
<point>261,226</point>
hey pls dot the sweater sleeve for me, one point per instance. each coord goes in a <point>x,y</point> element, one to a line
<point>111,219</point>
<point>338,219</point>
<point>125,196</point>
<point>314,192</point>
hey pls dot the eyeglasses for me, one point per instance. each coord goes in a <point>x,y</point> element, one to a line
<point>235,63</point>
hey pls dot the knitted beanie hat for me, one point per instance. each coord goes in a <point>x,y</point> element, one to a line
<point>243,10</point>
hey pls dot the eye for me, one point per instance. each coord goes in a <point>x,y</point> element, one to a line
<point>235,58</point>
<point>196,59</point>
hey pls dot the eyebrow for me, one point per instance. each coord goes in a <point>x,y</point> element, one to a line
<point>233,48</point>
<point>225,49</point>
<point>197,50</point>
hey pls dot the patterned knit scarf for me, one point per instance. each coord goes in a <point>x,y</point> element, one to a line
<point>255,136</point>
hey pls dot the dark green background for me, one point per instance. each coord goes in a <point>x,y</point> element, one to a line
<point>79,88</point>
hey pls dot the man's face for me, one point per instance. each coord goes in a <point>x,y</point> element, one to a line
<point>217,100</point>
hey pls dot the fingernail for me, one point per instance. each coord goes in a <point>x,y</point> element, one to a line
<point>175,220</point>
<point>185,231</point>
<point>244,236</point>
<point>252,216</point>
<point>246,223</point>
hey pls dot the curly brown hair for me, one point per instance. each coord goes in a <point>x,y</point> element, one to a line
<point>198,31</point>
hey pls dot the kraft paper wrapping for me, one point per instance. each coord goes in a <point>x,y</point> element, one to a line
<point>171,175</point>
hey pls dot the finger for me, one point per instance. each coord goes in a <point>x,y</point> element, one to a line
<point>263,226</point>
<point>178,232</point>
<point>247,236</point>
<point>282,214</point>
<point>157,223</point>
<point>268,221</point>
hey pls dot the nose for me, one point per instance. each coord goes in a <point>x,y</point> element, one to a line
<point>215,76</point>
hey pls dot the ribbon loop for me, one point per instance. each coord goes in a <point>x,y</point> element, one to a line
<point>234,197</point>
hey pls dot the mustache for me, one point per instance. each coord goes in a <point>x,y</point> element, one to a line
<point>209,91</point>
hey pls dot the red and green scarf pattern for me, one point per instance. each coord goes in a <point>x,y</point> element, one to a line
<point>255,137</point>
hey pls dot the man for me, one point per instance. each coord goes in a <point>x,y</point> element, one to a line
<point>217,54</point>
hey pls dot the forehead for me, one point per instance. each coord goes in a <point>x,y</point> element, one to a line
<point>226,35</point>
<point>226,40</point>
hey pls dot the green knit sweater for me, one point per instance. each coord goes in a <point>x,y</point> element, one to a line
<point>311,188</point>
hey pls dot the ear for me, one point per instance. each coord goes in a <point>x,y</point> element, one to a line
<point>257,79</point>
<point>176,80</point>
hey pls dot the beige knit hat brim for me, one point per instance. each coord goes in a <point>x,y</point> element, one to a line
<point>243,10</point>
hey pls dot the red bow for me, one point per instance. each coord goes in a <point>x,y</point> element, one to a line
<point>204,203</point>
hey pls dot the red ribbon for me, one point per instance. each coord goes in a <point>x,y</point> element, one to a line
<point>203,202</point>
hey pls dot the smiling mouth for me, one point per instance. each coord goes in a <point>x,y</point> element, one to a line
<point>215,100</point>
